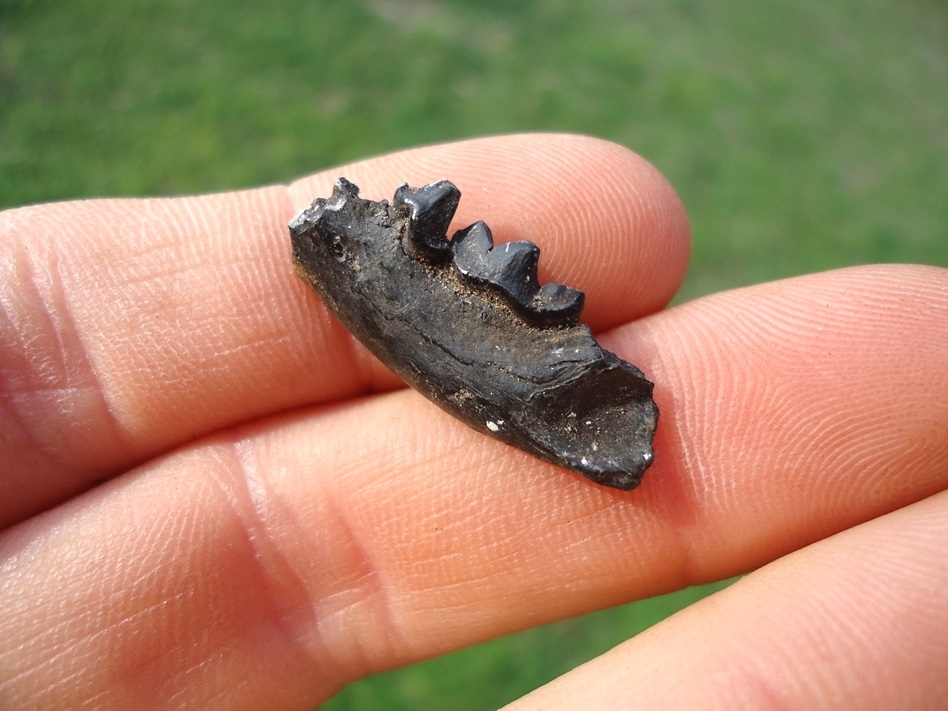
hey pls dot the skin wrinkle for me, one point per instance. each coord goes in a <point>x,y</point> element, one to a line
<point>61,320</point>
<point>245,489</point>
<point>49,300</point>
<point>368,587</point>
<point>413,458</point>
<point>106,410</point>
<point>372,590</point>
<point>677,499</point>
<point>27,435</point>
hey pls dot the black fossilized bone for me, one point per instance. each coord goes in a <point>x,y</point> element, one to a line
<point>468,325</point>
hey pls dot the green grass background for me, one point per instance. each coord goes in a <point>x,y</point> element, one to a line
<point>802,136</point>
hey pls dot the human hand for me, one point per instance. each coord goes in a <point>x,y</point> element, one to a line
<point>267,516</point>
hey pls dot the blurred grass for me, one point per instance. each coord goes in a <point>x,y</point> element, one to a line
<point>802,136</point>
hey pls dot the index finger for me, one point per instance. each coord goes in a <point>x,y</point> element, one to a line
<point>131,326</point>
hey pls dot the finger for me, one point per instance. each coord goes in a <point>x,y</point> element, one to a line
<point>130,326</point>
<point>821,400</point>
<point>854,622</point>
<point>327,545</point>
